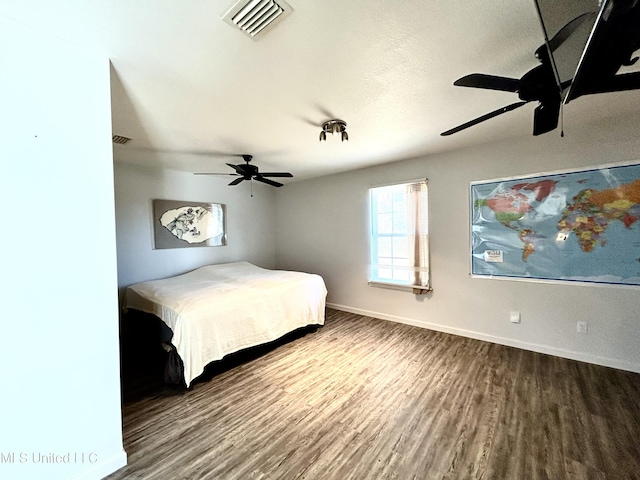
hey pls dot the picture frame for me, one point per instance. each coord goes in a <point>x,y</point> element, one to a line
<point>185,224</point>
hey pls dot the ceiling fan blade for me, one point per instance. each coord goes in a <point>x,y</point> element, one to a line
<point>259,178</point>
<point>617,83</point>
<point>237,168</point>
<point>545,117</point>
<point>490,82</point>
<point>214,173</point>
<point>481,119</point>
<point>237,181</point>
<point>276,174</point>
<point>566,31</point>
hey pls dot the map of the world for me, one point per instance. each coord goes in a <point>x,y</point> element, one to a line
<point>574,226</point>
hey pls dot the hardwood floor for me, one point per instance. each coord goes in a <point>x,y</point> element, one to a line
<point>369,399</point>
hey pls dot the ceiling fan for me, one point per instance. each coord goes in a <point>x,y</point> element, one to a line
<point>245,171</point>
<point>613,43</point>
<point>540,84</point>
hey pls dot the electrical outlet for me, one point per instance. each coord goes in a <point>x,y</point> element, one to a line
<point>514,317</point>
<point>583,327</point>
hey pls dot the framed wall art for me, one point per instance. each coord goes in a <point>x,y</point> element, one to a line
<point>180,224</point>
<point>571,226</point>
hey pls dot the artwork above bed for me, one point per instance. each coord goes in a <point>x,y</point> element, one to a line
<point>179,224</point>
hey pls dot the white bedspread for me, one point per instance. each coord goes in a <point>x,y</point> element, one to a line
<point>220,309</point>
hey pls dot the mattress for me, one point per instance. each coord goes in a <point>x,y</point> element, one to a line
<point>216,310</point>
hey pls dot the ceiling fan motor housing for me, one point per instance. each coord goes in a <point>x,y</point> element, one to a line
<point>248,171</point>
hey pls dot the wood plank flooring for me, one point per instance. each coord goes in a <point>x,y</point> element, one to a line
<point>363,399</point>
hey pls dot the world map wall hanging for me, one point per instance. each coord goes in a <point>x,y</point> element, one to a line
<point>572,226</point>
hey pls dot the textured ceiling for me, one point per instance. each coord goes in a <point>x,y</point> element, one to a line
<point>189,88</point>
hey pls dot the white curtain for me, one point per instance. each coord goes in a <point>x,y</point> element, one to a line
<point>418,235</point>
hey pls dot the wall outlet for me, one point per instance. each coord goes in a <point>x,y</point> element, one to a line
<point>514,317</point>
<point>583,327</point>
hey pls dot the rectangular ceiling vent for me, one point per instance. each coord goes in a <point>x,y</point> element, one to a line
<point>119,139</point>
<point>256,17</point>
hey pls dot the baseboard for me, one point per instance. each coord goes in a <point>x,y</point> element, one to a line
<point>558,352</point>
<point>104,468</point>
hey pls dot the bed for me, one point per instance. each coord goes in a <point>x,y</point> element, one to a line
<point>216,310</point>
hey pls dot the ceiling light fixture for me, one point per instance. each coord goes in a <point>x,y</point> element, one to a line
<point>333,127</point>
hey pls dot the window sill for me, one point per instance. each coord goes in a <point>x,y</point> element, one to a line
<point>417,289</point>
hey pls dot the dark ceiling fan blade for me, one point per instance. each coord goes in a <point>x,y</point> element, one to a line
<point>481,119</point>
<point>490,82</point>
<point>259,178</point>
<point>276,174</point>
<point>617,83</point>
<point>214,173</point>
<point>545,117</point>
<point>566,31</point>
<point>237,168</point>
<point>237,181</point>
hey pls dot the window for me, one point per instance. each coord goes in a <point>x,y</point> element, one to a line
<point>400,236</point>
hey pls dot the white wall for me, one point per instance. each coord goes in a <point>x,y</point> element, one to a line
<point>60,412</point>
<point>323,228</point>
<point>250,221</point>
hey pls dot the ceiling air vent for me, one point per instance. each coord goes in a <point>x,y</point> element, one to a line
<point>119,139</point>
<point>256,17</point>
